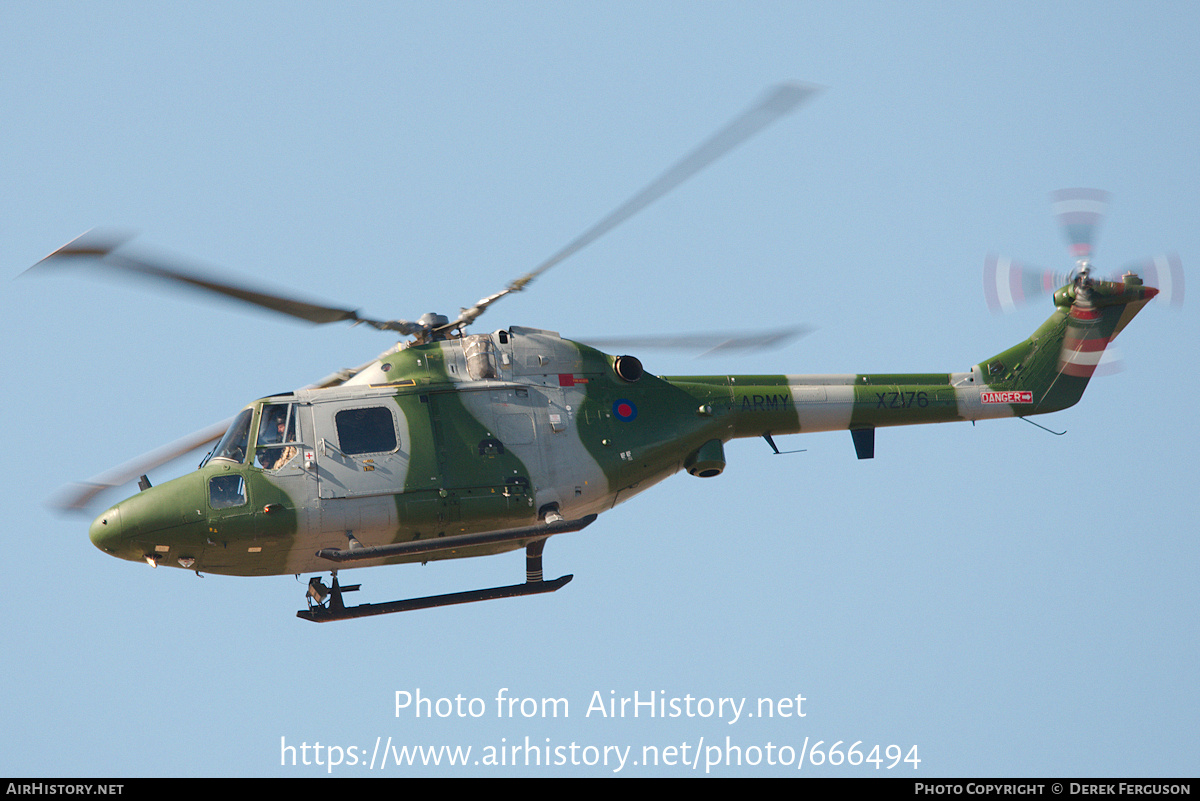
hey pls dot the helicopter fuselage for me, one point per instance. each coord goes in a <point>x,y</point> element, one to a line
<point>438,443</point>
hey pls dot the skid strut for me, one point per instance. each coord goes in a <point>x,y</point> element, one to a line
<point>330,606</point>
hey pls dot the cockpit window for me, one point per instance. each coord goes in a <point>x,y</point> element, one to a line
<point>233,445</point>
<point>277,427</point>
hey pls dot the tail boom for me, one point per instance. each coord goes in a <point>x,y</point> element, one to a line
<point>1047,372</point>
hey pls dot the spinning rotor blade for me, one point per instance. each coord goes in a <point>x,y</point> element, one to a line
<point>339,377</point>
<point>1112,361</point>
<point>1165,273</point>
<point>78,496</point>
<point>1008,284</point>
<point>779,102</point>
<point>106,247</point>
<point>1079,212</point>
<point>707,344</point>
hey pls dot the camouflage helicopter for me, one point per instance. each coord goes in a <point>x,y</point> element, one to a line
<point>454,444</point>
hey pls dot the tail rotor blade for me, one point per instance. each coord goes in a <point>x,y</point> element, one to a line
<point>1008,283</point>
<point>1079,212</point>
<point>1164,273</point>
<point>1111,363</point>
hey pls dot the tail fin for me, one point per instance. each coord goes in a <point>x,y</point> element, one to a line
<point>1056,363</point>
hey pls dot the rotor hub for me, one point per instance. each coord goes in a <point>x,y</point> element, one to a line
<point>433,320</point>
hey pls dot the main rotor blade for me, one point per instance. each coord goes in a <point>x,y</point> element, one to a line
<point>705,344</point>
<point>777,103</point>
<point>106,247</point>
<point>78,496</point>
<point>339,377</point>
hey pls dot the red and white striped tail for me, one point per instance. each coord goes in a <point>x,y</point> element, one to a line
<point>1083,347</point>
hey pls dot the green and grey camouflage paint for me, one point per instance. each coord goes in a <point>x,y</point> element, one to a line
<point>503,431</point>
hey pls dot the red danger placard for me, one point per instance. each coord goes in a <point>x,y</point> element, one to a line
<point>1024,396</point>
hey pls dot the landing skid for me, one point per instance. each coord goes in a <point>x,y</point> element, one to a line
<point>337,611</point>
<point>330,606</point>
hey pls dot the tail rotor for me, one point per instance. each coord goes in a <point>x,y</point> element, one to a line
<point>1009,284</point>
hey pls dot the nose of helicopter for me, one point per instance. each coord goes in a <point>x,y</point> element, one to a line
<point>105,531</point>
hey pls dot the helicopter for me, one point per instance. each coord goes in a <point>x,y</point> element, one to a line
<point>454,445</point>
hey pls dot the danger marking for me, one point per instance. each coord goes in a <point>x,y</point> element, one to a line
<point>1024,396</point>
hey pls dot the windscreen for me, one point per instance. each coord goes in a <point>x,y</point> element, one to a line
<point>233,445</point>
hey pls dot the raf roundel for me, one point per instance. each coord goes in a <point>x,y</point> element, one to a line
<point>624,410</point>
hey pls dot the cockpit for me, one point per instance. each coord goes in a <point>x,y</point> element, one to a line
<point>275,446</point>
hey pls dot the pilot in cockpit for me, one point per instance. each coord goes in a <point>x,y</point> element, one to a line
<point>273,430</point>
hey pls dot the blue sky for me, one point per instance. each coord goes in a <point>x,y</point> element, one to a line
<point>1010,602</point>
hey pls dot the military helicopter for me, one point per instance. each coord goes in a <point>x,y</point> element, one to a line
<point>456,445</point>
